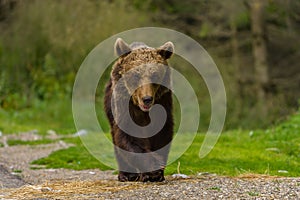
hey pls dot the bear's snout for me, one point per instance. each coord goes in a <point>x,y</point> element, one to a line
<point>146,104</point>
<point>147,100</point>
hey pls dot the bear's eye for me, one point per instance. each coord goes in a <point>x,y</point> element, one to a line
<point>155,76</point>
<point>135,76</point>
<point>133,79</point>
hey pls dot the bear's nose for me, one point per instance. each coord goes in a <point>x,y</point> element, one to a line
<point>147,100</point>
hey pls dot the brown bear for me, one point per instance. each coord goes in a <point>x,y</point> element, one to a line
<point>140,80</point>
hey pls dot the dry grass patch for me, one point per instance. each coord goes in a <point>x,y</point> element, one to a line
<point>69,189</point>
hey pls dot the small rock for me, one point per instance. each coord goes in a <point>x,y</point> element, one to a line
<point>274,149</point>
<point>206,174</point>
<point>179,176</point>
<point>80,133</point>
<point>283,171</point>
<point>51,134</point>
<point>251,133</point>
<point>27,136</point>
<point>51,170</point>
<point>63,144</point>
<point>46,189</point>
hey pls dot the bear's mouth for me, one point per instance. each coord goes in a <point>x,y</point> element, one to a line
<point>144,107</point>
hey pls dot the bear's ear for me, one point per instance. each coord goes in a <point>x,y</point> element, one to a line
<point>121,47</point>
<point>166,50</point>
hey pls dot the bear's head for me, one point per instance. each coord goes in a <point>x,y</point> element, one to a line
<point>144,70</point>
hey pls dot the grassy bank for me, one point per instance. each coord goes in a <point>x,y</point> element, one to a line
<point>42,116</point>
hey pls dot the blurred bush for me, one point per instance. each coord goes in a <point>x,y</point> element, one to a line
<point>42,44</point>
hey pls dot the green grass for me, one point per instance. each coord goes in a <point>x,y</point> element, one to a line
<point>34,142</point>
<point>76,157</point>
<point>237,152</point>
<point>43,116</point>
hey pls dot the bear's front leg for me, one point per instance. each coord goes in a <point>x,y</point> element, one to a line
<point>127,171</point>
<point>126,176</point>
<point>137,163</point>
<point>154,176</point>
<point>149,165</point>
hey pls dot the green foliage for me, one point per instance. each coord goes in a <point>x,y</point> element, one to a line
<point>242,21</point>
<point>43,43</point>
<point>46,41</point>
<point>45,82</point>
<point>171,6</point>
<point>205,30</point>
<point>278,13</point>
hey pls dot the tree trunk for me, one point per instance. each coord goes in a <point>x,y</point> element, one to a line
<point>288,20</point>
<point>235,52</point>
<point>259,40</point>
<point>237,71</point>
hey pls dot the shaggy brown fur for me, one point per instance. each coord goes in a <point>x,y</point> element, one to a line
<point>141,64</point>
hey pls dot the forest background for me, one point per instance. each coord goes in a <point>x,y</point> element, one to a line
<point>255,44</point>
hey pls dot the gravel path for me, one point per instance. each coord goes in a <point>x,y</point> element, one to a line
<point>193,188</point>
<point>17,159</point>
<point>18,181</point>
<point>8,180</point>
<point>214,188</point>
